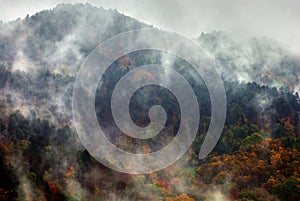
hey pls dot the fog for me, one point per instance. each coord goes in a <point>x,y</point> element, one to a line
<point>277,19</point>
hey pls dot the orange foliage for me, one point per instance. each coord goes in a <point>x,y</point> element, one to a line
<point>54,189</point>
<point>183,197</point>
<point>70,172</point>
<point>165,187</point>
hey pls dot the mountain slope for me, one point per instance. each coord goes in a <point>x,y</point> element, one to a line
<point>61,36</point>
<point>259,60</point>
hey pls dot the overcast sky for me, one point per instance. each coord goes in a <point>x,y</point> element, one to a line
<point>277,19</point>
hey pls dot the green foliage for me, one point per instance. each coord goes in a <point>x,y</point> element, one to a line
<point>279,131</point>
<point>257,194</point>
<point>288,190</point>
<point>153,189</point>
<point>251,140</point>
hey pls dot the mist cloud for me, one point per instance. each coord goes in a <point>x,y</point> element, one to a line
<point>277,19</point>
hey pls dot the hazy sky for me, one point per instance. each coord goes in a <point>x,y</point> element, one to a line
<point>277,19</point>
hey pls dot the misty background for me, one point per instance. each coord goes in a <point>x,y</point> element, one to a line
<point>277,19</point>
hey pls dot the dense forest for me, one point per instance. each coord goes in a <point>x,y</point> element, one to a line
<point>41,157</point>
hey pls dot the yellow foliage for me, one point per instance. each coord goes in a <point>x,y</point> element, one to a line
<point>183,197</point>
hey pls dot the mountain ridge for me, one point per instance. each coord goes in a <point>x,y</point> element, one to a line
<point>63,36</point>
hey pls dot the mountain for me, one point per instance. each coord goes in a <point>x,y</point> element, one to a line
<point>64,36</point>
<point>41,157</point>
<point>258,59</point>
<point>60,36</point>
<point>45,51</point>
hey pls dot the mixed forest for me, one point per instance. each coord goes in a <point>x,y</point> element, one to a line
<point>257,157</point>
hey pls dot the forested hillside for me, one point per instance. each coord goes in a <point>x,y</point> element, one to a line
<point>41,157</point>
